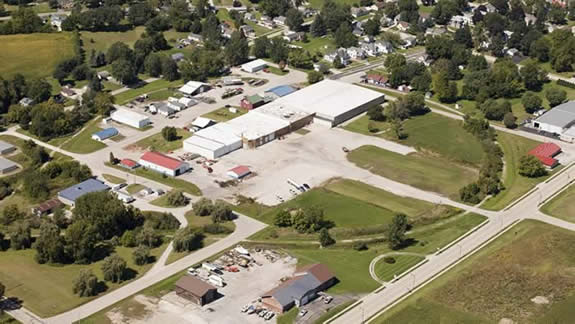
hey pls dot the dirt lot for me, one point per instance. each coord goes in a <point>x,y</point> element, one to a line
<point>242,288</point>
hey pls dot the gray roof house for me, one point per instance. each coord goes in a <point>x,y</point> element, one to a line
<point>71,194</point>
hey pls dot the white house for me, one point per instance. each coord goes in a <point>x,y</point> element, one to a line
<point>280,20</point>
<point>254,66</point>
<point>384,47</point>
<point>130,118</point>
<point>341,53</point>
<point>356,53</point>
<point>408,40</point>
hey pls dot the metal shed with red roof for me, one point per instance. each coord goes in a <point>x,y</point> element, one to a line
<point>546,152</point>
<point>164,164</point>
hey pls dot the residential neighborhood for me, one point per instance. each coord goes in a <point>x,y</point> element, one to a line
<point>286,161</point>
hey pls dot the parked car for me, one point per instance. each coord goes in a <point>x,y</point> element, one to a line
<point>302,312</point>
<point>263,313</point>
<point>269,316</point>
<point>251,309</point>
<point>119,186</point>
<point>245,308</point>
<point>327,299</point>
<point>306,186</point>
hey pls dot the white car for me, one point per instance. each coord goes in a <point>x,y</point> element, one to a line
<point>327,299</point>
<point>192,272</point>
<point>269,316</point>
<point>302,312</point>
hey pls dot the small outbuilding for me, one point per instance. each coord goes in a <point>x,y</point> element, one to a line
<point>239,172</point>
<point>105,134</point>
<point>130,118</point>
<point>129,164</point>
<point>46,207</point>
<point>6,148</point>
<point>546,153</point>
<point>254,66</point>
<point>252,102</point>
<point>7,166</point>
<point>280,91</point>
<point>202,122</point>
<point>196,290</point>
<point>164,164</point>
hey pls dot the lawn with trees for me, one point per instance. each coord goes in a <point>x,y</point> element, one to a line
<point>82,142</point>
<point>159,143</point>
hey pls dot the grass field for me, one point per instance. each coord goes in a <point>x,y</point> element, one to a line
<point>157,142</point>
<point>134,188</point>
<point>82,143</point>
<point>175,183</point>
<point>532,259</point>
<point>514,147</point>
<point>419,170</point>
<point>113,179</point>
<point>101,41</point>
<point>47,290</point>
<point>386,271</point>
<point>33,55</point>
<point>430,133</point>
<point>562,205</point>
<point>317,4</point>
<point>150,88</point>
<point>223,114</point>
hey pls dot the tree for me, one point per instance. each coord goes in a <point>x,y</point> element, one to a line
<point>324,238</point>
<point>237,50</point>
<point>470,193</point>
<point>557,14</point>
<point>117,51</point>
<point>153,65</point>
<point>530,166</point>
<point>375,113</point>
<point>114,268</point>
<point>391,10</point>
<point>39,90</point>
<point>394,60</point>
<point>50,245</point>
<point>176,198</point>
<point>294,19</point>
<point>274,8</point>
<point>141,255</point>
<point>446,90</point>
<point>495,109</point>
<point>314,77</point>
<point>555,96</point>
<point>21,237</point>
<point>203,207</point>
<point>124,71</point>
<point>169,69</point>
<point>463,36</point>
<point>2,289</point>
<point>10,214</point>
<point>344,37</point>
<point>221,212</point>
<point>104,103</point>
<point>477,63</point>
<point>170,133</point>
<point>396,231</point>
<point>509,120</point>
<point>261,47</point>
<point>308,220</point>
<point>318,27</point>
<point>86,284</point>
<point>372,27</point>
<point>188,239</point>
<point>531,102</point>
<point>533,76</point>
<point>148,237</point>
<point>540,49</point>
<point>278,50</point>
<point>283,218</point>
<point>81,239</point>
<point>140,13</point>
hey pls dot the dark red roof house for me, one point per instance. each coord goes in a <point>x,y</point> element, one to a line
<point>545,153</point>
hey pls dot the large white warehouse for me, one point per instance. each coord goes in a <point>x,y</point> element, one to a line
<point>214,141</point>
<point>130,118</point>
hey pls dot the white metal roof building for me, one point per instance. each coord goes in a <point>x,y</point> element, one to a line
<point>333,102</point>
<point>6,148</point>
<point>130,118</point>
<point>254,66</point>
<point>7,166</point>
<point>214,141</point>
<point>192,88</point>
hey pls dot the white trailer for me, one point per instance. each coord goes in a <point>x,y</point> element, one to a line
<point>216,280</point>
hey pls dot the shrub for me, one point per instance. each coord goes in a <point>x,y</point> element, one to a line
<point>221,212</point>
<point>216,229</point>
<point>203,207</point>
<point>188,239</point>
<point>114,268</point>
<point>141,255</point>
<point>389,260</point>
<point>176,198</point>
<point>360,246</point>
<point>86,284</point>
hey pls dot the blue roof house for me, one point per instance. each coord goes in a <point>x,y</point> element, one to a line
<point>105,134</point>
<point>71,194</point>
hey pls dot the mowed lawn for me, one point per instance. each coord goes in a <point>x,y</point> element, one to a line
<point>47,289</point>
<point>562,205</point>
<point>532,259</point>
<point>224,114</point>
<point>82,142</point>
<point>386,271</point>
<point>33,55</point>
<point>149,88</point>
<point>424,171</point>
<point>101,41</point>
<point>432,133</point>
<point>514,147</point>
<point>157,142</point>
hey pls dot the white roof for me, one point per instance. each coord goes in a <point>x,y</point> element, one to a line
<point>221,133</point>
<point>191,87</point>
<point>254,125</point>
<point>5,146</point>
<point>254,64</point>
<point>6,164</point>
<point>186,101</point>
<point>204,143</point>
<point>329,98</point>
<point>124,114</point>
<point>201,122</point>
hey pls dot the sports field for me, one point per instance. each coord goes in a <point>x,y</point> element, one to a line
<point>33,55</point>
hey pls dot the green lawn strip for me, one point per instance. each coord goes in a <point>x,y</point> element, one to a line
<point>175,183</point>
<point>47,289</point>
<point>532,259</point>
<point>82,143</point>
<point>157,142</point>
<point>134,188</point>
<point>561,206</point>
<point>386,271</point>
<point>7,319</point>
<point>113,179</point>
<point>288,317</point>
<point>34,55</point>
<point>330,312</point>
<point>223,114</point>
<point>157,85</point>
<point>423,171</point>
<point>514,147</point>
<point>277,71</point>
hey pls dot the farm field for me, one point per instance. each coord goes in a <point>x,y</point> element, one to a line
<point>562,205</point>
<point>426,172</point>
<point>532,259</point>
<point>33,55</point>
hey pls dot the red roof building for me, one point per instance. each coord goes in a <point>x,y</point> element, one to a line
<point>129,163</point>
<point>545,153</point>
<point>163,163</point>
<point>239,172</point>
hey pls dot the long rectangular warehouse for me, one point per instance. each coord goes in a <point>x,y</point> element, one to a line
<point>333,102</point>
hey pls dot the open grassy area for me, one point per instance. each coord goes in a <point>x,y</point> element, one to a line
<point>175,183</point>
<point>223,114</point>
<point>46,289</point>
<point>33,55</point>
<point>82,143</point>
<point>113,179</point>
<point>157,142</point>
<point>423,171</point>
<point>134,188</point>
<point>288,317</point>
<point>562,205</point>
<point>532,259</point>
<point>149,88</point>
<point>386,271</point>
<point>429,133</point>
<point>57,141</point>
<point>514,147</point>
<point>101,41</point>
<point>317,4</point>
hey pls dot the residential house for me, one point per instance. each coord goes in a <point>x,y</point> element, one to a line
<point>358,12</point>
<point>56,21</point>
<point>291,36</point>
<point>424,17</point>
<point>384,47</point>
<point>248,31</point>
<point>280,20</point>
<point>25,102</point>
<point>249,16</point>
<point>196,38</point>
<point>403,26</point>
<point>512,52</point>
<point>341,53</point>
<point>266,22</point>
<point>460,21</point>
<point>376,79</point>
<point>356,53</point>
<point>408,40</point>
<point>436,31</point>
<point>370,49</point>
